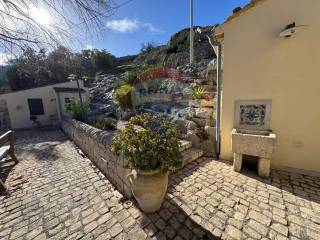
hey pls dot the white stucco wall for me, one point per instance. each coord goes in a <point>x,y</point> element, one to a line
<point>17,104</point>
<point>258,64</point>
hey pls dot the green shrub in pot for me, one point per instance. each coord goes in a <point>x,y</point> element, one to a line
<point>151,152</point>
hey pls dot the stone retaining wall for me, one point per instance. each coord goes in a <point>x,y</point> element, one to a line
<point>202,113</point>
<point>96,144</point>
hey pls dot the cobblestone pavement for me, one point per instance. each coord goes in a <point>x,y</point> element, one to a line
<point>58,194</point>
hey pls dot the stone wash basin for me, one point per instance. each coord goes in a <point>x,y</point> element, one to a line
<point>257,143</point>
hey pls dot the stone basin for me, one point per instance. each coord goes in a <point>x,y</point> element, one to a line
<point>257,143</point>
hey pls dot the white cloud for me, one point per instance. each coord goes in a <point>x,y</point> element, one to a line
<point>89,47</point>
<point>123,25</point>
<point>4,58</point>
<point>131,25</point>
<point>152,29</point>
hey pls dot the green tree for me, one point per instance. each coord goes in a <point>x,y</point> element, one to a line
<point>38,68</point>
<point>61,63</point>
<point>102,60</point>
<point>33,69</point>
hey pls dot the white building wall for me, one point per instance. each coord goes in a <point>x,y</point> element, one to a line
<point>259,65</point>
<point>17,104</point>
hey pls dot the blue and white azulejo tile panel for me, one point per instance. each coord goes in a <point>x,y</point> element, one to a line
<point>253,114</point>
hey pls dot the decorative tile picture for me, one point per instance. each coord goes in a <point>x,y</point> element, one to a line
<point>253,114</point>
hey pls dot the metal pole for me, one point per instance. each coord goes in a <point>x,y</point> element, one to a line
<point>218,99</point>
<point>79,91</point>
<point>217,49</point>
<point>191,32</point>
<point>80,98</point>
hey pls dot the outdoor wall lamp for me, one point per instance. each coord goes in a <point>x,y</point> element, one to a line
<point>292,29</point>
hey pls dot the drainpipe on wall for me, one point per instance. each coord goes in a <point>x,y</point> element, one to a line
<point>218,99</point>
<point>217,49</point>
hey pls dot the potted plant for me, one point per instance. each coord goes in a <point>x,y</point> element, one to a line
<point>35,121</point>
<point>150,151</point>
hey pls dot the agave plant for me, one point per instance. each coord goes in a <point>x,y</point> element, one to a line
<point>197,92</point>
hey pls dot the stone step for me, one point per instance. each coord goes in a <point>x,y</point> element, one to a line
<point>191,155</point>
<point>185,145</point>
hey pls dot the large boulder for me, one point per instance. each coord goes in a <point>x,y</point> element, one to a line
<point>181,125</point>
<point>192,137</point>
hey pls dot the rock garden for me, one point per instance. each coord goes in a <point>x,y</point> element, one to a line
<point>186,96</point>
<point>141,125</point>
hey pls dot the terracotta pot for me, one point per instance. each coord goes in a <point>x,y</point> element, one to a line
<point>148,188</point>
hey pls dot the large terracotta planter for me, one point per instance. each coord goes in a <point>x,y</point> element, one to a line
<point>148,188</point>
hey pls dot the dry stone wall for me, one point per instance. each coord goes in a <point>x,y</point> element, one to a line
<point>202,113</point>
<point>96,144</point>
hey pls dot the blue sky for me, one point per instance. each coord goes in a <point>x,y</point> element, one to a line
<point>142,21</point>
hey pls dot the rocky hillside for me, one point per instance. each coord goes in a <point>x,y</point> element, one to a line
<point>176,52</point>
<point>173,55</point>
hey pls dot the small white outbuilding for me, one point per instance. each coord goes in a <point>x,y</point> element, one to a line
<point>44,106</point>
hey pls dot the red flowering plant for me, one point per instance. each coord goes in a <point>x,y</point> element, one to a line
<point>175,75</point>
<point>153,73</point>
<point>161,72</point>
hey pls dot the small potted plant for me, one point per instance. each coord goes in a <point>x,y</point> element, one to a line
<point>150,151</point>
<point>35,121</point>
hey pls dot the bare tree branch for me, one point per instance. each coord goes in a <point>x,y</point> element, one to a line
<point>51,23</point>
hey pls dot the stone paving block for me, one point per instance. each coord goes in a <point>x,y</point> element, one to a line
<point>258,227</point>
<point>90,218</point>
<point>185,233</point>
<point>122,215</point>
<point>115,230</point>
<point>137,234</point>
<point>283,230</point>
<point>160,224</point>
<point>90,227</point>
<point>251,233</point>
<point>233,232</point>
<point>259,217</point>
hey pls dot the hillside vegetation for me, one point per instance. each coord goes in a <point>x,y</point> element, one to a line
<point>39,68</point>
<point>176,52</point>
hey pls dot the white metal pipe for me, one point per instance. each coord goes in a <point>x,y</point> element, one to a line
<point>217,49</point>
<point>218,100</point>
